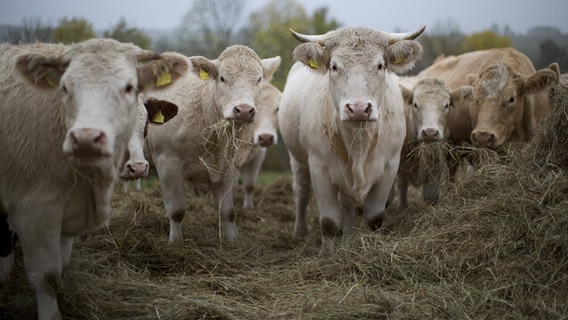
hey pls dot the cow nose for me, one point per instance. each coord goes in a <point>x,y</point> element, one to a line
<point>358,111</point>
<point>483,138</point>
<point>265,139</point>
<point>137,170</point>
<point>430,134</point>
<point>87,141</point>
<point>244,112</point>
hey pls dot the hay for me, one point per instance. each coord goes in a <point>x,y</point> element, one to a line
<point>494,247</point>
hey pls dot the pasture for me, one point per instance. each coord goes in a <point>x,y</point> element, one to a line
<point>495,246</point>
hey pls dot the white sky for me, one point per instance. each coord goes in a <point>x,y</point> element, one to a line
<point>392,15</point>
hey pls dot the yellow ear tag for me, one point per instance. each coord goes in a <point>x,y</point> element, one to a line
<point>399,60</point>
<point>203,74</point>
<point>313,64</point>
<point>50,82</point>
<point>158,117</point>
<point>163,79</point>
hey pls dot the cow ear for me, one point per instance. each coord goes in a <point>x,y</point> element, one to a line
<point>461,95</point>
<point>269,66</point>
<point>160,111</point>
<point>470,78</point>
<point>313,55</point>
<point>161,71</point>
<point>407,94</point>
<point>538,81</point>
<point>204,68</point>
<point>402,55</point>
<point>41,71</point>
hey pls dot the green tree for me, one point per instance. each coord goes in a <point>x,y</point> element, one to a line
<point>123,33</point>
<point>484,40</point>
<point>73,30</point>
<point>445,37</point>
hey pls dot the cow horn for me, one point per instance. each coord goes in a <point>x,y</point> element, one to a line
<point>395,37</point>
<point>319,39</point>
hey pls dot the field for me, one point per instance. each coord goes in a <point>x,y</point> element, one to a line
<point>494,247</point>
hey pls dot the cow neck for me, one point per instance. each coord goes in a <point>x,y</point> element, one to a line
<point>353,145</point>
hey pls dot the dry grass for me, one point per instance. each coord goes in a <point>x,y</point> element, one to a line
<point>494,247</point>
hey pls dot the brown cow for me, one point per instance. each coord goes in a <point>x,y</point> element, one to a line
<point>507,99</point>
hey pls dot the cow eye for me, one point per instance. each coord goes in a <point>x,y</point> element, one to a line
<point>415,105</point>
<point>128,88</point>
<point>222,79</point>
<point>333,67</point>
<point>446,106</point>
<point>512,100</point>
<point>259,79</point>
<point>64,88</point>
<point>380,67</point>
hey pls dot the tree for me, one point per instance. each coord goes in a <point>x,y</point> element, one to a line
<point>485,40</point>
<point>550,52</point>
<point>123,33</point>
<point>73,30</point>
<point>32,30</point>
<point>208,27</point>
<point>444,38</point>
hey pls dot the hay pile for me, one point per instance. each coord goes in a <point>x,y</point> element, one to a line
<point>495,246</point>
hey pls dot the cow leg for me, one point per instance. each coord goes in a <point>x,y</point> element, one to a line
<point>41,246</point>
<point>376,200</point>
<point>223,197</point>
<point>250,174</point>
<point>348,207</point>
<point>66,247</point>
<point>302,192</point>
<point>402,188</point>
<point>172,185</point>
<point>431,187</point>
<point>6,248</point>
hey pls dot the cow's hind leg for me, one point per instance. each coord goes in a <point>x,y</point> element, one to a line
<point>302,192</point>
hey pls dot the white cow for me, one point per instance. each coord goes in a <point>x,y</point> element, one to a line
<point>427,106</point>
<point>342,119</point>
<point>210,137</point>
<point>265,135</point>
<point>150,111</point>
<point>67,115</point>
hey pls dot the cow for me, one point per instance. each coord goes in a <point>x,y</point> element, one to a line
<point>507,97</point>
<point>67,115</point>
<point>151,111</point>
<point>209,139</point>
<point>427,106</point>
<point>341,118</point>
<point>265,135</point>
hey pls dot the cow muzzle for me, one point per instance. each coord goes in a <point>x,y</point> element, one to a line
<point>244,112</point>
<point>86,142</point>
<point>135,170</point>
<point>430,134</point>
<point>359,111</point>
<point>483,138</point>
<point>265,139</point>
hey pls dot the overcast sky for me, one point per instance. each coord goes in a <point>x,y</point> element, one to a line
<point>470,16</point>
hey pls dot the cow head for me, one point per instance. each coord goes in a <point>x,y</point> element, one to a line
<point>502,102</point>
<point>356,62</point>
<point>98,82</point>
<point>238,74</point>
<point>152,111</point>
<point>428,105</point>
<point>266,123</point>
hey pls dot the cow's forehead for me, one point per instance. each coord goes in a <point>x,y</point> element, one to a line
<point>494,80</point>
<point>239,58</point>
<point>356,38</point>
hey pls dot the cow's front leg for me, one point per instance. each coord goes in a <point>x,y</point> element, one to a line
<point>223,197</point>
<point>330,214</point>
<point>41,246</point>
<point>250,173</point>
<point>171,178</point>
<point>348,206</point>
<point>301,187</point>
<point>375,203</point>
